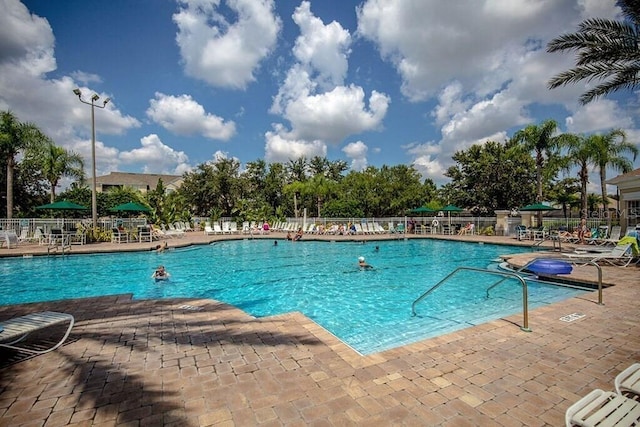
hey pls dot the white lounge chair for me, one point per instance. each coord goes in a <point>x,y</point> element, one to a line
<point>619,255</point>
<point>10,238</point>
<point>613,237</point>
<point>24,236</point>
<point>208,230</point>
<point>628,381</point>
<point>14,330</point>
<point>603,408</point>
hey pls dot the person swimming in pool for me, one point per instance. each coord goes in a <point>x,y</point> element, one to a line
<point>160,273</point>
<point>363,264</point>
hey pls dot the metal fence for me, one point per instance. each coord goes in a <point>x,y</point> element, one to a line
<point>68,224</point>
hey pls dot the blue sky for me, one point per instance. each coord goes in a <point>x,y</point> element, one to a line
<point>368,82</point>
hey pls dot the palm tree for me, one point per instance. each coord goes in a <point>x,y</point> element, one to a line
<point>581,154</point>
<point>565,194</point>
<point>15,137</point>
<point>58,163</point>
<point>540,139</point>
<point>607,51</point>
<point>608,151</point>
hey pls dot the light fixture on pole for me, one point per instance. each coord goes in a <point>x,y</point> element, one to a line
<point>94,197</point>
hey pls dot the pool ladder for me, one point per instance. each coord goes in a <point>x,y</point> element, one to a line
<point>505,275</point>
<point>59,246</point>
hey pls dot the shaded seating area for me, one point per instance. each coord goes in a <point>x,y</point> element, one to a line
<point>16,330</point>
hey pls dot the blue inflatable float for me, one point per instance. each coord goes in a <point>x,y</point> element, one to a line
<point>550,266</point>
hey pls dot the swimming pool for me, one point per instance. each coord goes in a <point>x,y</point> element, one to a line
<point>370,310</point>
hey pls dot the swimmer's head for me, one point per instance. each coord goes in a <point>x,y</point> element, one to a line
<point>361,259</point>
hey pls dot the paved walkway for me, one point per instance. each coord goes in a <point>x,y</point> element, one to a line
<point>193,362</point>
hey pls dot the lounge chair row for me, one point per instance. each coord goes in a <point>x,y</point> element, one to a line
<point>606,408</point>
<point>597,236</point>
<point>227,227</point>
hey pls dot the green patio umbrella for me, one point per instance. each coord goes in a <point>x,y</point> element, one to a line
<point>421,210</point>
<point>451,208</point>
<point>130,207</point>
<point>538,207</point>
<point>63,205</point>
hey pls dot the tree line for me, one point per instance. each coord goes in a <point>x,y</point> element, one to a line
<point>532,166</point>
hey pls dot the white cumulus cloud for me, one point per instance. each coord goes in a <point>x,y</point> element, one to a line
<point>184,116</point>
<point>357,152</point>
<point>224,53</point>
<point>313,97</point>
<point>157,157</point>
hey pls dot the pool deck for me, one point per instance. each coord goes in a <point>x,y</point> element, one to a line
<point>198,362</point>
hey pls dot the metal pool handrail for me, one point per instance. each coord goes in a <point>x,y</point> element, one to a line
<point>506,274</point>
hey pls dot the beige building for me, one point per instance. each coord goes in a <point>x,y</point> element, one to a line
<point>629,205</point>
<point>143,182</point>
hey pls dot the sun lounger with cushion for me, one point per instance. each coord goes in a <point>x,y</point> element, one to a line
<point>14,330</point>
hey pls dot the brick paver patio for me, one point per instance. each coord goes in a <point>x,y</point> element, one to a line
<point>195,362</point>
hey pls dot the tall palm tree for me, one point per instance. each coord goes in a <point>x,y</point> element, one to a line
<point>607,51</point>
<point>15,137</point>
<point>541,140</point>
<point>581,154</point>
<point>609,152</point>
<point>57,163</point>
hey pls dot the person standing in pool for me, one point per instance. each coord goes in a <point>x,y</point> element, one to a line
<point>160,273</point>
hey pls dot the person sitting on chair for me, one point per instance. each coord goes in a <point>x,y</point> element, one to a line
<point>466,229</point>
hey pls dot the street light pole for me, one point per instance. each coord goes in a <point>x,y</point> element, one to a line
<point>94,197</point>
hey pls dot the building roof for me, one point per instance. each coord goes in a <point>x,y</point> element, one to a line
<point>629,176</point>
<point>149,180</point>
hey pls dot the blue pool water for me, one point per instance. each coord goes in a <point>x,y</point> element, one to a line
<point>369,310</point>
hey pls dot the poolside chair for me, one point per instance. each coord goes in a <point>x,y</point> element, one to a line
<point>540,233</point>
<point>118,236</point>
<point>628,381</point>
<point>613,237</point>
<point>620,255</point>
<point>603,408</point>
<point>14,330</point>
<point>40,236</point>
<point>521,232</point>
<point>24,236</point>
<point>10,239</point>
